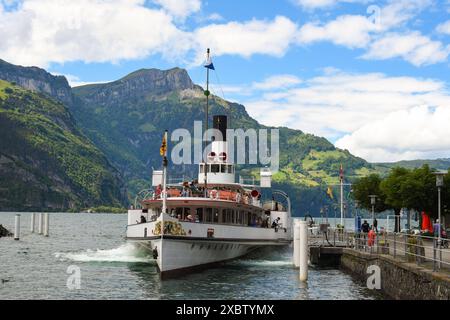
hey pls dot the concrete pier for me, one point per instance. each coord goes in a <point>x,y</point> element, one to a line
<point>17,227</point>
<point>32,222</point>
<point>303,252</point>
<point>296,244</point>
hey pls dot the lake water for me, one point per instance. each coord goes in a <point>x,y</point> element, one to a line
<point>112,268</point>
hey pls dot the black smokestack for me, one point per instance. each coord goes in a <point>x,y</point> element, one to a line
<point>220,123</point>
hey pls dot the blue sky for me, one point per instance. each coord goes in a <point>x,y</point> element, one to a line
<point>371,76</point>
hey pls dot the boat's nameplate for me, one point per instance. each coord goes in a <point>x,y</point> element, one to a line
<point>170,227</point>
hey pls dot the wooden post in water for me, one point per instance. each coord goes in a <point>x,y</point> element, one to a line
<point>296,244</point>
<point>303,254</point>
<point>32,222</point>
<point>46,225</point>
<point>17,227</point>
<point>40,223</point>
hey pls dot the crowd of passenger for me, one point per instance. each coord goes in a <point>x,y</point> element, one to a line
<point>193,189</point>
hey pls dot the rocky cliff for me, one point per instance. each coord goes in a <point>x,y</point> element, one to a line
<point>37,80</point>
<point>45,161</point>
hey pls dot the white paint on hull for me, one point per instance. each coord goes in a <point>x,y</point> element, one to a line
<point>182,254</point>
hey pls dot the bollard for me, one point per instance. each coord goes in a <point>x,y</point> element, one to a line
<point>32,223</point>
<point>40,223</point>
<point>17,227</point>
<point>46,226</point>
<point>303,252</point>
<point>296,243</point>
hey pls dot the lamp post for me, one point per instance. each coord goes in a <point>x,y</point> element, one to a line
<point>357,221</point>
<point>439,184</point>
<point>373,199</point>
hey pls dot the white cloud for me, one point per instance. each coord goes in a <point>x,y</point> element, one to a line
<point>444,27</point>
<point>338,104</point>
<point>44,31</point>
<point>412,47</point>
<point>41,32</point>
<point>75,81</point>
<point>417,133</point>
<point>320,4</point>
<point>246,38</point>
<point>180,8</point>
<point>371,33</point>
<point>348,30</point>
<point>398,12</point>
<point>277,82</point>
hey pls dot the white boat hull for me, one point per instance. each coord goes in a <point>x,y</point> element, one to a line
<point>180,253</point>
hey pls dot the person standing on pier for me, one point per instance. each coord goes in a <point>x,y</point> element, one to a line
<point>375,224</point>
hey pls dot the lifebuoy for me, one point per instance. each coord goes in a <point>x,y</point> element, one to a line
<point>254,193</point>
<point>212,156</point>
<point>213,194</point>
<point>223,156</point>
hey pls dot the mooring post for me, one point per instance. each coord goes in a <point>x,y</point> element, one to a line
<point>395,245</point>
<point>296,244</point>
<point>303,254</point>
<point>40,223</point>
<point>17,227</point>
<point>32,222</point>
<point>46,226</point>
<point>406,246</point>
<point>434,254</point>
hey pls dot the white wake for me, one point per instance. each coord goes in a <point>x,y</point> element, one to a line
<point>125,253</point>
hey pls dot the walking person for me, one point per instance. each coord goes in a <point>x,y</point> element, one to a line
<point>365,227</point>
<point>375,224</point>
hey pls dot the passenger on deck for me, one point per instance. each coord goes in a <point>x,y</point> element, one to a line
<point>143,220</point>
<point>275,223</point>
<point>158,191</point>
<point>238,196</point>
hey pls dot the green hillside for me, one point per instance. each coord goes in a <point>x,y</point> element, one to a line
<point>45,162</point>
<point>126,119</point>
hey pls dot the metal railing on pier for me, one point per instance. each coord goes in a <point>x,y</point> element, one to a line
<point>413,248</point>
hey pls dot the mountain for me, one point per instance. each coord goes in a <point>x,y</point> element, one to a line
<point>125,119</point>
<point>45,161</point>
<point>438,164</point>
<point>38,80</point>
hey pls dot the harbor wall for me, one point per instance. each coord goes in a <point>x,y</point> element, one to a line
<point>399,280</point>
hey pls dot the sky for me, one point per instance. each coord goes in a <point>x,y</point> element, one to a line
<point>370,76</point>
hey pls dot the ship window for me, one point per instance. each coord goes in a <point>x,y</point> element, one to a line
<point>200,214</point>
<point>187,211</point>
<point>208,215</point>
<point>202,168</point>
<point>215,168</point>
<point>216,215</point>
<point>230,169</point>
<point>223,168</point>
<point>179,213</point>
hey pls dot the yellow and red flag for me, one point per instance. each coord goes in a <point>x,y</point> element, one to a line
<point>330,193</point>
<point>163,149</point>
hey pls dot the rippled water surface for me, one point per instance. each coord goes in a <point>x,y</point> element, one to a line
<point>111,268</point>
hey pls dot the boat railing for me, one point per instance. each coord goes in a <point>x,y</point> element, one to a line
<point>214,194</point>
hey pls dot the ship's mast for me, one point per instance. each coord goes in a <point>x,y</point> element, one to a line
<point>206,124</point>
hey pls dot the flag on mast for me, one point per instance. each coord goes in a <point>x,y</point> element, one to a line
<point>330,193</point>
<point>209,64</point>
<point>163,149</point>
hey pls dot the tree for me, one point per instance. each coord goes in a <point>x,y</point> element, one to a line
<point>392,187</point>
<point>419,191</point>
<point>366,186</point>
